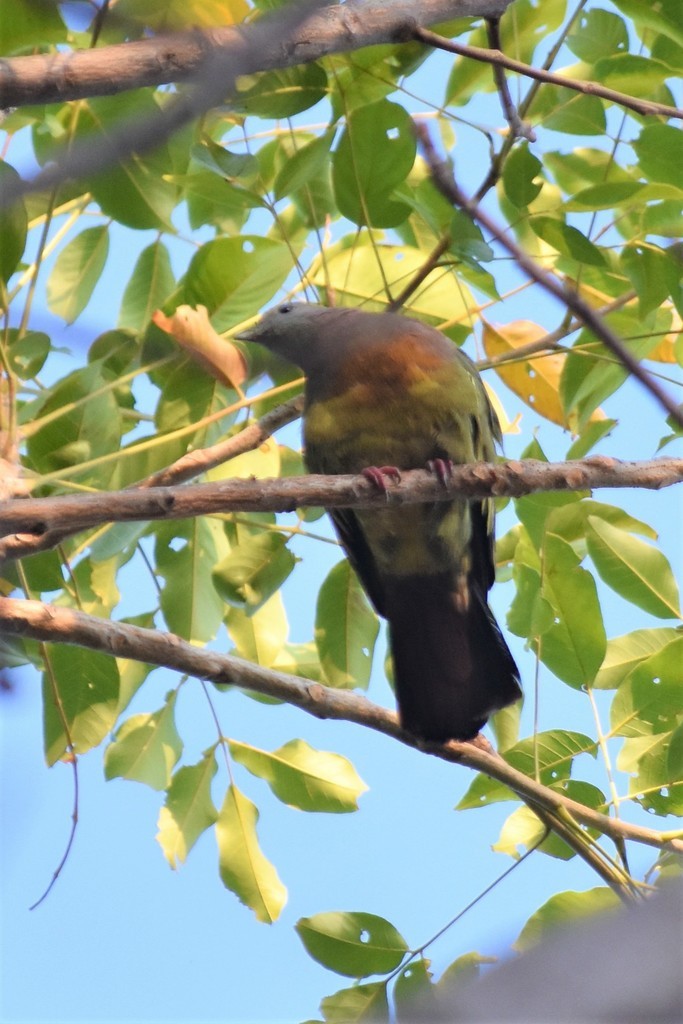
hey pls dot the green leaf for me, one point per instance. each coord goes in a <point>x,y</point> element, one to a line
<point>13,220</point>
<point>26,23</point>
<point>571,113</point>
<point>624,653</point>
<point>567,240</point>
<point>281,93</point>
<point>635,570</point>
<point>465,969</point>
<point>415,992</point>
<point>360,1003</point>
<point>253,570</point>
<point>574,645</point>
<point>346,629</point>
<point>188,810</point>
<point>303,166</point>
<point>520,171</point>
<point>243,867</point>
<point>150,285</point>
<point>654,782</point>
<point>597,34</point>
<point>300,776</point>
<point>552,752</point>
<point>77,270</point>
<point>186,553</point>
<point>81,688</point>
<point>234,277</point>
<point>146,747</point>
<point>653,274</point>
<point>28,352</point>
<point>562,909</point>
<point>632,73</point>
<point>649,700</point>
<point>261,636</point>
<point>523,829</point>
<point>135,192</point>
<point>659,149</point>
<point>375,154</point>
<point>352,943</point>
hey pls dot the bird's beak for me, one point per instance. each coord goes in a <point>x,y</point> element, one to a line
<point>249,334</point>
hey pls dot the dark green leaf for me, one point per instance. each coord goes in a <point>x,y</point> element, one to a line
<point>281,93</point>
<point>345,629</point>
<point>567,240</point>
<point>13,220</point>
<point>375,154</point>
<point>81,688</point>
<point>186,553</point>
<point>519,176</point>
<point>597,34</point>
<point>355,944</point>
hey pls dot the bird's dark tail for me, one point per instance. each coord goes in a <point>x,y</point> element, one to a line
<point>452,667</point>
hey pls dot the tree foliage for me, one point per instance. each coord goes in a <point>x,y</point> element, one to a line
<point>309,181</point>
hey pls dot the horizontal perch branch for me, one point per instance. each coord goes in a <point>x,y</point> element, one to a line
<point>107,70</point>
<point>63,625</point>
<point>36,517</point>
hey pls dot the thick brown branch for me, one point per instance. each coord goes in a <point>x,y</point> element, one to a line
<point>37,517</point>
<point>649,108</point>
<point>56,77</point>
<point>444,181</point>
<point>63,625</point>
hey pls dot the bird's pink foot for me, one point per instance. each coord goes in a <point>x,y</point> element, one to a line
<point>442,470</point>
<point>377,475</point>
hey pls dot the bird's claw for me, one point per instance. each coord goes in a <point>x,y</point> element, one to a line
<point>442,470</point>
<point>377,475</point>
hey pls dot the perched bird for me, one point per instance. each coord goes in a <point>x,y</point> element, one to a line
<point>384,394</point>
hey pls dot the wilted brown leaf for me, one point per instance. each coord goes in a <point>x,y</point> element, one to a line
<point>192,329</point>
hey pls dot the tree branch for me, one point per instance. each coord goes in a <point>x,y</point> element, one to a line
<point>108,70</point>
<point>497,58</point>
<point>37,517</point>
<point>63,625</point>
<point>444,181</point>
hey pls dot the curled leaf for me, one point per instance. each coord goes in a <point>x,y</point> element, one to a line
<point>192,329</point>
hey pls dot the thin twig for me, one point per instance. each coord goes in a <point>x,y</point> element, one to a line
<point>520,129</point>
<point>646,107</point>
<point>443,178</point>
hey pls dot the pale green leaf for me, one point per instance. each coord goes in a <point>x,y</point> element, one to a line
<point>146,747</point>
<point>259,637</point>
<point>149,286</point>
<point>186,554</point>
<point>253,570</point>
<point>625,652</point>
<point>188,810</point>
<point>299,775</point>
<point>77,270</point>
<point>635,570</point>
<point>243,867</point>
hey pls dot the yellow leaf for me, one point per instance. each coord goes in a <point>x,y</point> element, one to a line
<point>536,380</point>
<point>507,425</point>
<point>192,329</point>
<point>665,352</point>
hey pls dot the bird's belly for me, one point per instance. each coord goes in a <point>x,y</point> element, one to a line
<point>419,540</point>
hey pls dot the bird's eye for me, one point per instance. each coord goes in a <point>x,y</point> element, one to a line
<point>287,308</point>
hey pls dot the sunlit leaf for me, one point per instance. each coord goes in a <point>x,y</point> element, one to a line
<point>367,1003</point>
<point>188,810</point>
<point>625,652</point>
<point>253,570</point>
<point>186,554</point>
<point>299,775</point>
<point>634,569</point>
<point>243,867</point>
<point>146,747</point>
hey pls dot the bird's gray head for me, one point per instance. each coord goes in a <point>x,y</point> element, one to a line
<point>297,331</point>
